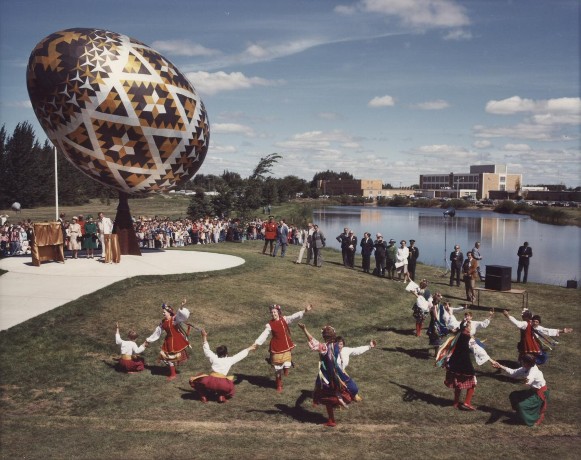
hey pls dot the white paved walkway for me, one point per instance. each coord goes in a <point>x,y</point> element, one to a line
<point>27,291</point>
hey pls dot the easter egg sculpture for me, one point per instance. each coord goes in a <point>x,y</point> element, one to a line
<point>119,111</point>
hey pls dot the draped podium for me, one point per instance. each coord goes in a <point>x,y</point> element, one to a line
<point>112,250</point>
<point>47,243</point>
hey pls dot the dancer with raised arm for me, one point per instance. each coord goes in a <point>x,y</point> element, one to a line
<point>218,382</point>
<point>333,387</point>
<point>281,343</point>
<point>175,344</point>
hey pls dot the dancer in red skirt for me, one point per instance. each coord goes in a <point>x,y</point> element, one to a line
<point>173,351</point>
<point>218,382</point>
<point>281,343</point>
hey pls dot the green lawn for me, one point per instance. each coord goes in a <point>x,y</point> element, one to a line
<point>61,397</point>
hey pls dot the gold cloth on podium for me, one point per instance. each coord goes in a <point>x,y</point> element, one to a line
<point>47,243</point>
<point>112,250</point>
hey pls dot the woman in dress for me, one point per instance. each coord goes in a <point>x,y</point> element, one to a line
<point>422,304</point>
<point>455,355</point>
<point>401,263</point>
<point>75,237</point>
<point>90,238</point>
<point>173,350</point>
<point>333,387</point>
<point>281,343</point>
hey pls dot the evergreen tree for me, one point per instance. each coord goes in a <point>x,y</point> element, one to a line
<point>200,206</point>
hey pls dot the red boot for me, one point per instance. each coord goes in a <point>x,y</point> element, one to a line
<point>279,384</point>
<point>468,400</point>
<point>172,373</point>
<point>331,415</point>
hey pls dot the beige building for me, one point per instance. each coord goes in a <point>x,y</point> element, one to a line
<point>481,178</point>
<point>369,188</point>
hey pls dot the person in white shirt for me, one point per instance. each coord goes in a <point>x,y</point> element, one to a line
<point>401,263</point>
<point>346,352</point>
<point>530,404</point>
<point>104,227</point>
<point>129,361</point>
<point>218,382</point>
<point>306,237</point>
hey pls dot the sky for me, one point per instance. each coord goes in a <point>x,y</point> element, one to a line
<point>382,89</point>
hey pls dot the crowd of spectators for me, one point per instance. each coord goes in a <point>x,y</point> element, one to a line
<point>152,232</point>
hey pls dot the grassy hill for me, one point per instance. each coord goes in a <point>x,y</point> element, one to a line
<point>62,398</point>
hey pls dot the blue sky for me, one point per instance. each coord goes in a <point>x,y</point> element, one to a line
<point>385,89</point>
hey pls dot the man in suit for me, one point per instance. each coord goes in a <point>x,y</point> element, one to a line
<point>456,259</point>
<point>318,243</point>
<point>366,251</point>
<point>281,238</point>
<point>412,259</point>
<point>342,238</point>
<point>525,252</point>
<point>351,248</point>
<point>306,236</point>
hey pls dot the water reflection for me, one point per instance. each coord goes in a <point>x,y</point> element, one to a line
<point>556,250</point>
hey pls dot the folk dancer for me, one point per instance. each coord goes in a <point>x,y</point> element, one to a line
<point>533,337</point>
<point>281,343</point>
<point>454,355</point>
<point>130,362</point>
<point>218,381</point>
<point>530,404</point>
<point>421,306</point>
<point>333,387</point>
<point>174,347</point>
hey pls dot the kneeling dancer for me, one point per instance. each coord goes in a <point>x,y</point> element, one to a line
<point>218,382</point>
<point>530,404</point>
<point>130,362</point>
<point>173,351</point>
<point>333,387</point>
<point>280,343</point>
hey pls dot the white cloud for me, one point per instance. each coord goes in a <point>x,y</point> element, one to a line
<point>446,152</point>
<point>439,104</point>
<point>519,131</point>
<point>458,35</point>
<point>212,83</point>
<point>516,104</point>
<point>330,116</point>
<point>183,48</point>
<point>383,101</point>
<point>416,13</point>
<point>233,128</point>
<point>517,147</point>
<point>482,144</point>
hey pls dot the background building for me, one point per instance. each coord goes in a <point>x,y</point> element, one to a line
<point>369,188</point>
<point>479,182</point>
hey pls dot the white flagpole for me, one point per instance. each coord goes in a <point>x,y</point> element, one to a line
<point>56,186</point>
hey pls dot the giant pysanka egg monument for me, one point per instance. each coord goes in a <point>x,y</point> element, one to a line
<point>119,111</point>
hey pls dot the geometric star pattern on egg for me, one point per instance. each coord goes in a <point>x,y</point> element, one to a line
<point>118,110</point>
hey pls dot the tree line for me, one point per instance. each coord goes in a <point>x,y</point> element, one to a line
<point>27,173</point>
<point>27,176</point>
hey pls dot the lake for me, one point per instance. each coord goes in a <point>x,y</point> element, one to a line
<point>556,249</point>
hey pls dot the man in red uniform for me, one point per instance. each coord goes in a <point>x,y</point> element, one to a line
<point>270,228</point>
